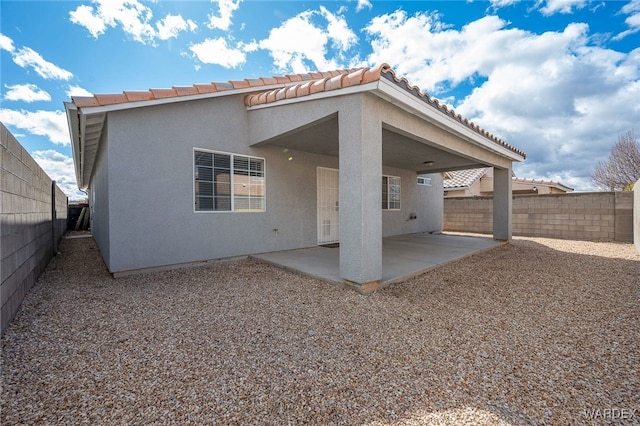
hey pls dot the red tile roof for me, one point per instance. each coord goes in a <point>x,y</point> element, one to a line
<point>363,76</point>
<point>196,89</point>
<point>295,86</point>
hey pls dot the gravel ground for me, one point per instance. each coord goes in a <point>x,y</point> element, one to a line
<point>539,331</point>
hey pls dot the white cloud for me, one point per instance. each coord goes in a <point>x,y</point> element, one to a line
<point>496,4</point>
<point>84,15</point>
<point>6,43</point>
<point>226,9</point>
<point>632,6</point>
<point>561,6</point>
<point>299,42</point>
<point>216,51</point>
<point>172,25</point>
<point>131,15</point>
<point>565,113</point>
<point>60,168</point>
<point>633,20</point>
<point>429,54</point>
<point>27,57</point>
<point>77,91</point>
<point>338,30</point>
<point>554,95</point>
<point>26,93</point>
<point>52,124</point>
<point>362,4</point>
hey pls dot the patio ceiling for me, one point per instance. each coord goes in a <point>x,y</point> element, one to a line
<point>401,151</point>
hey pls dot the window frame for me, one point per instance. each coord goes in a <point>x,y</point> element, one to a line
<point>389,193</point>
<point>426,181</point>
<point>232,157</point>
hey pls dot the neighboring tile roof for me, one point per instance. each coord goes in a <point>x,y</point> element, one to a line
<point>460,179</point>
<point>463,178</point>
<point>294,86</point>
<point>541,182</point>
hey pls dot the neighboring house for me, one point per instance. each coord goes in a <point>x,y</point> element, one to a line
<point>479,182</point>
<point>189,174</point>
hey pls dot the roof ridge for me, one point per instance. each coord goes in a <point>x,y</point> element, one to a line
<point>340,80</point>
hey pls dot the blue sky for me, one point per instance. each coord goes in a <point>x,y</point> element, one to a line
<point>559,79</point>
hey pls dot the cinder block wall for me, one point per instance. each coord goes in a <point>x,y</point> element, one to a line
<point>636,215</point>
<point>33,217</point>
<point>596,216</point>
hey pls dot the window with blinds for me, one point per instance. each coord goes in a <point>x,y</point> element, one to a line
<point>228,182</point>
<point>390,193</point>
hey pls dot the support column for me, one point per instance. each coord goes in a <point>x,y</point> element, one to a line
<point>502,204</point>
<point>360,139</point>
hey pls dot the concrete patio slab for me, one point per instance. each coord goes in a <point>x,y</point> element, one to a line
<point>403,256</point>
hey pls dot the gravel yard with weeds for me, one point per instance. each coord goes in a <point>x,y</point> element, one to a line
<point>539,331</point>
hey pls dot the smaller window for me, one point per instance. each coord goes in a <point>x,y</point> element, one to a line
<point>390,193</point>
<point>426,181</point>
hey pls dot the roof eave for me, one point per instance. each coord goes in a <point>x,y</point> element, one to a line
<point>186,98</point>
<point>74,132</point>
<point>78,116</point>
<point>391,92</point>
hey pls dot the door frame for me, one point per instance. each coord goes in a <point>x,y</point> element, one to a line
<point>327,205</point>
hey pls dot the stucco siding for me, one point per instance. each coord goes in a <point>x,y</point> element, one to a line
<point>146,188</point>
<point>424,201</point>
<point>98,193</point>
<point>153,222</point>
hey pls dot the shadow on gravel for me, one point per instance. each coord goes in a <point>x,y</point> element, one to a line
<point>522,334</point>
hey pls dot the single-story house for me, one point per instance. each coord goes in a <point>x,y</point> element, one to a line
<point>210,171</point>
<point>479,182</point>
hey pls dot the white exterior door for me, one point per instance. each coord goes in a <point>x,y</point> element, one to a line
<point>328,209</point>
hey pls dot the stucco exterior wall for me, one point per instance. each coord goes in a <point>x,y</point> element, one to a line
<point>148,180</point>
<point>33,217</point>
<point>424,201</point>
<point>598,216</point>
<point>99,199</point>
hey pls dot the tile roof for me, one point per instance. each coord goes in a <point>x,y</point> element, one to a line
<point>459,179</point>
<point>293,86</point>
<point>352,77</point>
<point>197,89</point>
<point>541,182</point>
<point>463,178</point>
<point>363,76</point>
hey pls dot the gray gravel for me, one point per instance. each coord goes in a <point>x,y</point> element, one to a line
<point>539,331</point>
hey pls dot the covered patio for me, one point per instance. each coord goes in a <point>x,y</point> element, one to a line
<point>403,257</point>
<point>371,119</point>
